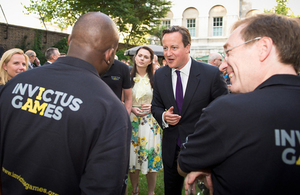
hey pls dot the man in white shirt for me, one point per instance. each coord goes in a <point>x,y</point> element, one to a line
<point>177,107</point>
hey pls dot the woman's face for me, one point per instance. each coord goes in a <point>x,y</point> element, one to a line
<point>15,65</point>
<point>143,58</point>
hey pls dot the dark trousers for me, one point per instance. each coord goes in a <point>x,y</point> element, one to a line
<point>173,181</point>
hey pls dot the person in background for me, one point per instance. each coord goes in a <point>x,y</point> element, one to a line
<point>13,62</point>
<point>32,59</point>
<point>63,130</point>
<point>156,65</point>
<point>51,55</point>
<point>215,59</point>
<point>118,79</point>
<point>181,90</point>
<point>164,62</point>
<point>248,143</point>
<point>145,151</point>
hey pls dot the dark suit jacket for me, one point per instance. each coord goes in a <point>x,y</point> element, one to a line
<point>46,63</point>
<point>204,85</point>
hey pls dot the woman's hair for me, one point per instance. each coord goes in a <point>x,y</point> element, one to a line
<point>5,59</point>
<point>149,67</point>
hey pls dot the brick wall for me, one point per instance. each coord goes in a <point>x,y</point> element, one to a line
<point>22,36</point>
<point>15,37</point>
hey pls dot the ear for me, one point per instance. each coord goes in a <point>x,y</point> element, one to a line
<point>265,47</point>
<point>188,48</point>
<point>4,66</point>
<point>108,55</point>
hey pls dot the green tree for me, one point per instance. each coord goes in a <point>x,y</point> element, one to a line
<point>282,9</point>
<point>62,45</point>
<point>157,32</point>
<point>134,18</point>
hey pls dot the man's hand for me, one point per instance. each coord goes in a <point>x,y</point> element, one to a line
<point>37,61</point>
<point>202,175</point>
<point>170,118</point>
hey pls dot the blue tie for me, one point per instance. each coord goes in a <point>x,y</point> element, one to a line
<point>179,98</point>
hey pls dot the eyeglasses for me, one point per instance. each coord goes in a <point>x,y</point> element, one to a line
<point>224,54</point>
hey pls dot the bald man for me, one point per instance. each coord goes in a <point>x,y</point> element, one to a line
<point>63,130</point>
<point>215,59</point>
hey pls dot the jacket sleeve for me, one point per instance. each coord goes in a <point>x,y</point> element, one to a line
<point>157,107</point>
<point>219,86</point>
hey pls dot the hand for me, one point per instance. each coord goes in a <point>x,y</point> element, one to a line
<point>202,175</point>
<point>37,61</point>
<point>138,112</point>
<point>146,108</point>
<point>170,118</point>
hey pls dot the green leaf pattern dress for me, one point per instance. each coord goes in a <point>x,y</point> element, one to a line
<point>145,149</point>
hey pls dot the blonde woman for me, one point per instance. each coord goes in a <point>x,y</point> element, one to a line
<point>13,62</point>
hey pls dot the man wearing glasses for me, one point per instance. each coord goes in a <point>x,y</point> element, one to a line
<point>249,143</point>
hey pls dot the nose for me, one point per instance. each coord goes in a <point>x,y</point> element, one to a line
<point>167,52</point>
<point>223,66</point>
<point>22,68</point>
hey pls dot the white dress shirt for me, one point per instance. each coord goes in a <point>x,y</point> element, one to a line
<point>184,74</point>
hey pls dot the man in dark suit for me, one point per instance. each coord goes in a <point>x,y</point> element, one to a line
<point>33,61</point>
<point>178,98</point>
<point>51,55</point>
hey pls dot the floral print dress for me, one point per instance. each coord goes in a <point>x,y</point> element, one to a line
<point>145,148</point>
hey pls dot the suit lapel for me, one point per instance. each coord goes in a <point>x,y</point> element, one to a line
<point>192,85</point>
<point>167,82</point>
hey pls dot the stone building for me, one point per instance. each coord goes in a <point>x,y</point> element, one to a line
<point>209,22</point>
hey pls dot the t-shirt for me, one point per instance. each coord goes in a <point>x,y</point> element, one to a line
<point>117,77</point>
<point>251,141</point>
<point>63,131</point>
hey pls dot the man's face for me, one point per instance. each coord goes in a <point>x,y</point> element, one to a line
<point>32,58</point>
<point>218,61</point>
<point>242,64</point>
<point>175,53</point>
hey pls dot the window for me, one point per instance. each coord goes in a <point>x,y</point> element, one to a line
<point>218,26</point>
<point>166,23</point>
<point>191,26</point>
<point>190,21</point>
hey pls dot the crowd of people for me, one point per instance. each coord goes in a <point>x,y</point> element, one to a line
<point>88,121</point>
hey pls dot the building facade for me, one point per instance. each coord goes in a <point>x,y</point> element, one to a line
<point>210,22</point>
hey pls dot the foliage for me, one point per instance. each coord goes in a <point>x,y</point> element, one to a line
<point>24,43</point>
<point>282,9</point>
<point>37,45</point>
<point>62,45</point>
<point>134,18</point>
<point>157,32</point>
<point>143,186</point>
<point>121,56</point>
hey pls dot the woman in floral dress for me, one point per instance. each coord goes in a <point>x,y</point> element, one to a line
<point>145,149</point>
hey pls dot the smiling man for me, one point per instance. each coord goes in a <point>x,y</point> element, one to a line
<point>251,141</point>
<point>181,90</point>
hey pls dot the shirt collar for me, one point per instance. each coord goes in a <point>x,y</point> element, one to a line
<point>280,79</point>
<point>186,69</point>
